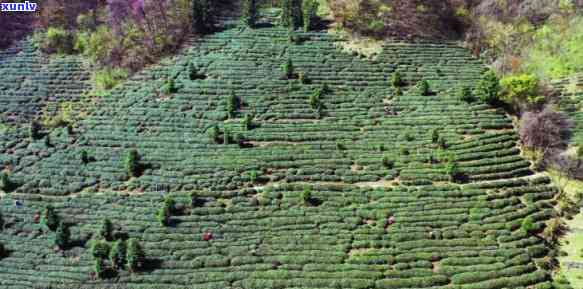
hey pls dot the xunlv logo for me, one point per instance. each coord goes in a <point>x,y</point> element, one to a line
<point>18,7</point>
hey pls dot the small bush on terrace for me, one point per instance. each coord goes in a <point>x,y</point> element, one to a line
<point>423,87</point>
<point>50,218</point>
<point>108,78</point>
<point>106,230</point>
<point>135,255</point>
<point>288,69</point>
<point>488,88</point>
<point>100,249</point>
<point>62,235</point>
<point>132,163</point>
<point>528,225</point>
<point>397,80</point>
<point>5,183</point>
<point>232,104</point>
<point>117,256</point>
<point>465,94</point>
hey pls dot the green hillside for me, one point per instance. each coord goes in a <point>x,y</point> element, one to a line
<point>337,182</point>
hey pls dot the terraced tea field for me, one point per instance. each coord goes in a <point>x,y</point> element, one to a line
<point>345,186</point>
<point>572,91</point>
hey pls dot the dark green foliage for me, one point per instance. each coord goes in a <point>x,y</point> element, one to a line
<point>214,134</point>
<point>404,151</point>
<point>35,130</point>
<point>132,163</point>
<point>452,171</point>
<point>442,142</point>
<point>465,94</point>
<point>528,225</point>
<point>316,97</point>
<point>135,255</point>
<point>106,230</point>
<point>397,80</point>
<point>5,183</point>
<point>288,69</point>
<point>62,235</point>
<point>202,16</point>
<point>84,157</point>
<point>310,14</point>
<point>1,222</point>
<point>100,249</point>
<point>3,251</point>
<point>253,176</point>
<point>50,218</point>
<point>435,136</point>
<point>99,268</point>
<point>307,196</point>
<point>292,13</point>
<point>226,136</point>
<point>488,88</point>
<point>250,13</point>
<point>195,200</point>
<point>232,104</point>
<point>247,122</point>
<point>163,215</point>
<point>169,86</point>
<point>117,256</point>
<point>387,163</point>
<point>423,87</point>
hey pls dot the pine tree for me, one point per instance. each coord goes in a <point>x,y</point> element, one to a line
<point>132,163</point>
<point>84,157</point>
<point>232,104</point>
<point>288,69</point>
<point>100,249</point>
<point>106,230</point>
<point>50,218</point>
<point>250,14</point>
<point>309,13</point>
<point>135,255</point>
<point>247,122</point>
<point>423,87</point>
<point>396,80</point>
<point>5,183</point>
<point>117,255</point>
<point>163,216</point>
<point>35,129</point>
<point>62,235</point>
<point>307,196</point>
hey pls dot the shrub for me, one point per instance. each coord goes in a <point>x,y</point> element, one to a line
<point>423,87</point>
<point>226,136</point>
<point>117,256</point>
<point>232,104</point>
<point>107,79</point>
<point>195,200</point>
<point>307,196</point>
<point>132,163</point>
<point>247,122</point>
<point>434,135</point>
<point>315,98</point>
<point>5,183</point>
<point>253,176</point>
<point>135,255</point>
<point>58,40</point>
<point>62,235</point>
<point>292,13</point>
<point>98,268</point>
<point>213,134</point>
<point>169,86</point>
<point>35,130</point>
<point>452,171</point>
<point>99,249</point>
<point>397,80</point>
<point>310,13</point>
<point>50,218</point>
<point>488,88</point>
<point>250,13</point>
<point>288,69</point>
<point>465,94</point>
<point>106,230</point>
<point>163,215</point>
<point>387,163</point>
<point>84,157</point>
<point>3,251</point>
<point>521,89</point>
<point>1,222</point>
<point>303,78</point>
<point>202,15</point>
<point>528,225</point>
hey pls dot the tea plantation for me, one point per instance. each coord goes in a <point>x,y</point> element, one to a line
<point>572,91</point>
<point>318,176</point>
